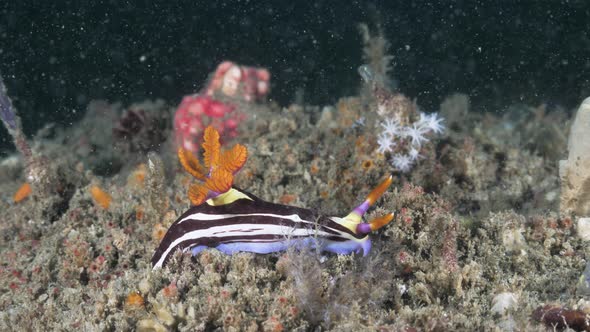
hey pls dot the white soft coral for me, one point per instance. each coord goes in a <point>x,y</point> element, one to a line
<point>404,142</point>
<point>386,143</point>
<point>415,134</point>
<point>435,123</point>
<point>402,162</point>
<point>430,123</point>
<point>414,153</point>
<point>391,127</point>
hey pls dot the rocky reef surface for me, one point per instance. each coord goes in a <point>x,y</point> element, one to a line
<point>478,242</point>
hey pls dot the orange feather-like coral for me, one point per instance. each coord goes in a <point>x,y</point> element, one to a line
<point>217,173</point>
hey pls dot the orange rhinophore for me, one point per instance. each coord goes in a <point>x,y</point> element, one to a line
<point>101,198</point>
<point>217,171</point>
<point>23,192</point>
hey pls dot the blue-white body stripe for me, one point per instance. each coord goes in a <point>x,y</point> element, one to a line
<point>253,225</point>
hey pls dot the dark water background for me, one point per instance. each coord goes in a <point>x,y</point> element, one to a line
<point>56,56</point>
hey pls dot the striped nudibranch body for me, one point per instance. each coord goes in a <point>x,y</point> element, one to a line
<point>238,221</point>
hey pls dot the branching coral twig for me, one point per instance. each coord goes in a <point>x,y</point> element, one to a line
<point>33,164</point>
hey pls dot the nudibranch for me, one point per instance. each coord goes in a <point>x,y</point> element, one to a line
<point>232,220</point>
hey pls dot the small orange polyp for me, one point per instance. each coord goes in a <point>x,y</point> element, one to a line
<point>159,232</point>
<point>134,301</point>
<point>137,177</point>
<point>23,192</point>
<point>100,197</point>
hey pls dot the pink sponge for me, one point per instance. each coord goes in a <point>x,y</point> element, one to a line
<point>230,81</point>
<point>233,80</point>
<point>196,112</point>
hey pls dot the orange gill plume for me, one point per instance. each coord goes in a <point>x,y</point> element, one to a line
<point>216,174</point>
